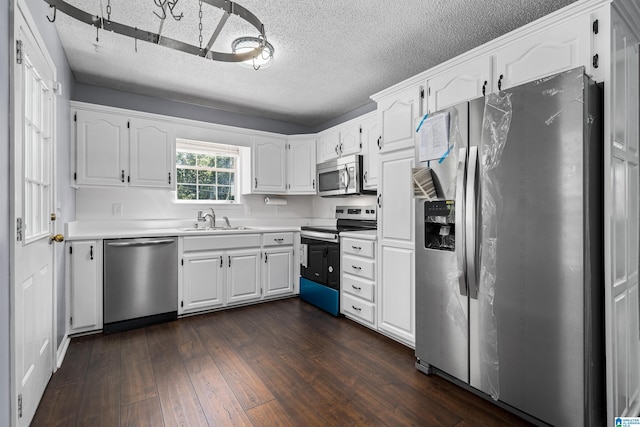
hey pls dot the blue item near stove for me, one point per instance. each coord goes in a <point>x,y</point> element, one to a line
<point>321,296</point>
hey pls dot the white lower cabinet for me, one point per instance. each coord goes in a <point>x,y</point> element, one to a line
<point>358,287</point>
<point>243,275</point>
<point>85,291</point>
<point>278,272</point>
<point>204,274</point>
<point>227,270</point>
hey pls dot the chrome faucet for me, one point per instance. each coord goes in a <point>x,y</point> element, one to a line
<point>210,216</point>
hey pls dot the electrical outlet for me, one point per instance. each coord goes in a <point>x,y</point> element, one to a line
<point>117,209</point>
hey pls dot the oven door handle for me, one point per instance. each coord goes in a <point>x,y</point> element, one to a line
<point>325,237</point>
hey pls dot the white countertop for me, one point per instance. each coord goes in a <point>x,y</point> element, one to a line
<point>364,234</point>
<point>130,229</point>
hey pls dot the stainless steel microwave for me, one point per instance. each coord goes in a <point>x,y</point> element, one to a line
<point>341,177</point>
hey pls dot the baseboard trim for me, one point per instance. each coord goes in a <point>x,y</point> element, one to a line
<point>62,351</point>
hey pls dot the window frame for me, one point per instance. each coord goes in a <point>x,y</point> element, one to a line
<point>184,145</point>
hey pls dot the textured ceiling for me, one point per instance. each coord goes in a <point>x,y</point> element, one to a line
<point>330,55</point>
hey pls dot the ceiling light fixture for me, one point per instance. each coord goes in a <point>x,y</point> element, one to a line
<point>250,44</point>
<point>258,55</point>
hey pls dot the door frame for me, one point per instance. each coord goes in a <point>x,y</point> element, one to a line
<point>17,7</point>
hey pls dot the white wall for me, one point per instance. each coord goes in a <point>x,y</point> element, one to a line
<point>5,306</point>
<point>97,204</point>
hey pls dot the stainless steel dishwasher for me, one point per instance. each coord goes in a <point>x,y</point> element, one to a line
<point>140,282</point>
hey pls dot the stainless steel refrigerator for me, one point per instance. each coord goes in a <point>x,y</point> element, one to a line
<point>509,250</point>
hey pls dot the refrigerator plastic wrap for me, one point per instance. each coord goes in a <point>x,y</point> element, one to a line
<point>455,309</point>
<point>495,128</point>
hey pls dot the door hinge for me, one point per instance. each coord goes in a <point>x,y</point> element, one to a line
<point>19,61</point>
<point>596,26</point>
<point>19,406</point>
<point>19,229</point>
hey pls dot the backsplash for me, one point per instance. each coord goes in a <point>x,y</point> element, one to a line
<point>109,204</point>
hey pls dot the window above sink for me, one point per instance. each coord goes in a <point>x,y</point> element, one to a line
<point>206,172</point>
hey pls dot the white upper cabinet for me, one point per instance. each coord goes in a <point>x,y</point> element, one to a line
<point>328,145</point>
<point>268,161</point>
<point>152,154</point>
<point>301,166</point>
<point>338,141</point>
<point>555,49</point>
<point>370,139</point>
<point>102,141</point>
<point>396,116</point>
<point>350,142</point>
<point>117,150</point>
<point>462,83</point>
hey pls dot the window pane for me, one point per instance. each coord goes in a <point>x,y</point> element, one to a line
<point>187,176</point>
<point>206,192</point>
<point>225,178</point>
<point>206,177</point>
<point>206,160</point>
<point>186,192</point>
<point>185,159</point>
<point>225,193</point>
<point>226,162</point>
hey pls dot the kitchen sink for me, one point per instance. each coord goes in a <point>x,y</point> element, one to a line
<point>196,229</point>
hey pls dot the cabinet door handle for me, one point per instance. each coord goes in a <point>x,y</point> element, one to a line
<point>220,262</point>
<point>357,248</point>
<point>365,176</point>
<point>229,261</point>
<point>336,149</point>
<point>357,288</point>
<point>379,201</point>
<point>169,177</point>
<point>484,88</point>
<point>379,142</point>
<point>314,184</point>
<point>341,147</point>
<point>256,184</point>
<point>355,267</point>
<point>122,176</point>
<point>500,81</point>
<point>356,308</point>
<point>91,252</point>
<point>266,256</point>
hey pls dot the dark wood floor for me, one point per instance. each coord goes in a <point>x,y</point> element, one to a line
<point>282,363</point>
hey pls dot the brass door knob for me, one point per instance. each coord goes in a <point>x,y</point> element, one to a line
<point>57,238</point>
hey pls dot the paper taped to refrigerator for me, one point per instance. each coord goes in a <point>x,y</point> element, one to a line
<point>433,137</point>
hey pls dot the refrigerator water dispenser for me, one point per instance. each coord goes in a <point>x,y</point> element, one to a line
<point>439,225</point>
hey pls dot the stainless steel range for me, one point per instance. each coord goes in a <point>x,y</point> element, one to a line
<point>320,266</point>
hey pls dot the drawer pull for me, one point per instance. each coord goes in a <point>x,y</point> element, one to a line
<point>357,288</point>
<point>279,240</point>
<point>357,248</point>
<point>356,267</point>
<point>356,308</point>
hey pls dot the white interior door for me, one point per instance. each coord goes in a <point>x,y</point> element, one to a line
<point>33,190</point>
